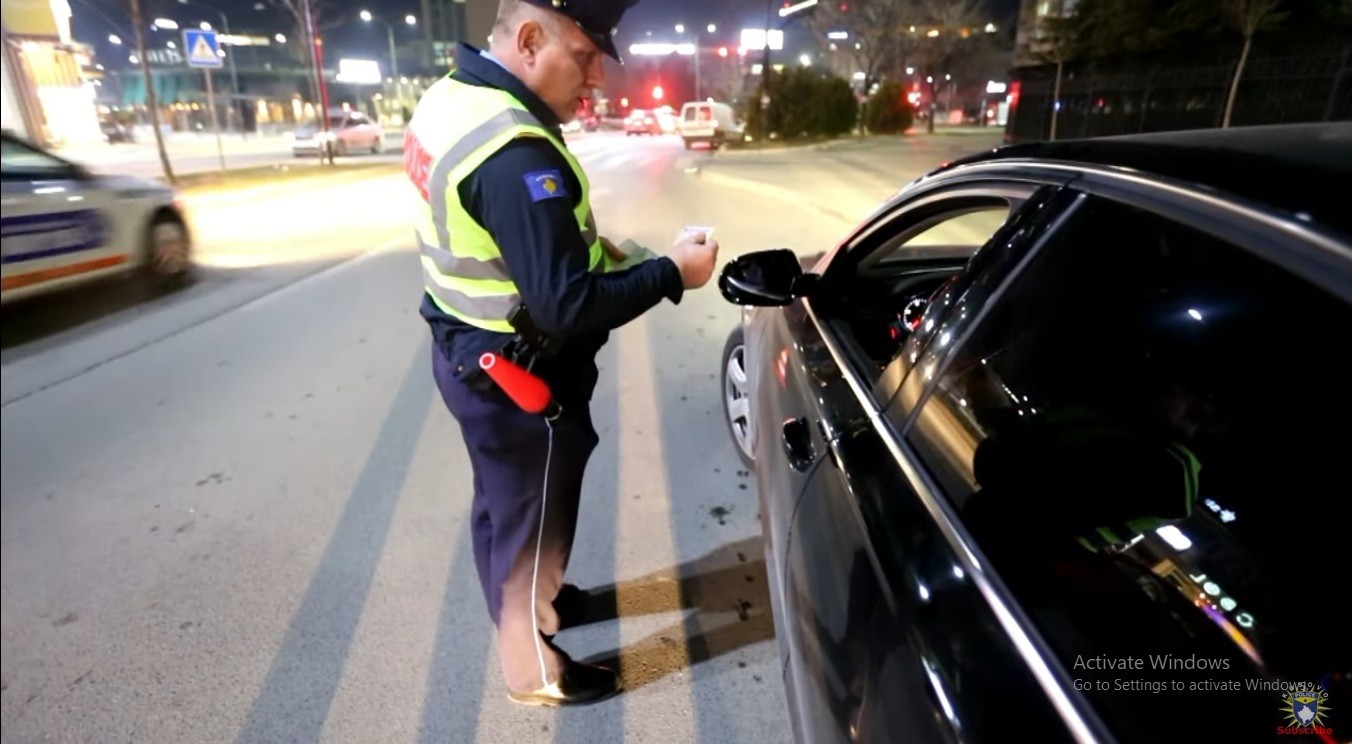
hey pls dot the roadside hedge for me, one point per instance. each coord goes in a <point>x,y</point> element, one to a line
<point>805,102</point>
<point>887,111</point>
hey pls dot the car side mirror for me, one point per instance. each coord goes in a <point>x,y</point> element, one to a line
<point>766,279</point>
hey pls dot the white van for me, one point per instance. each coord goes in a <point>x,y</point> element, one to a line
<point>708,121</point>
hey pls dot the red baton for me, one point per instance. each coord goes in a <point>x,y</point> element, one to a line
<point>525,389</point>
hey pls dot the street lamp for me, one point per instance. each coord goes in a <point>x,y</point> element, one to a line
<point>167,24</point>
<point>389,30</point>
<point>367,17</point>
<point>114,39</point>
<point>788,14</point>
<point>711,28</point>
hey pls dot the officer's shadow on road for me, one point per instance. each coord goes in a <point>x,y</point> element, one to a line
<point>727,591</point>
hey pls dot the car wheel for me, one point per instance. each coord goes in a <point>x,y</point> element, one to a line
<point>168,259</point>
<point>737,395</point>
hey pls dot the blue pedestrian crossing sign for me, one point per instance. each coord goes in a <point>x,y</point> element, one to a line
<point>202,48</point>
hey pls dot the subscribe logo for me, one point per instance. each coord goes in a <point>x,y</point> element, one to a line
<point>1305,711</point>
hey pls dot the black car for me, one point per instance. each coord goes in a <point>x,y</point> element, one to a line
<point>1053,447</point>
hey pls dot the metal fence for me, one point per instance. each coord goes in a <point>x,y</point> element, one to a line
<point>1100,102</point>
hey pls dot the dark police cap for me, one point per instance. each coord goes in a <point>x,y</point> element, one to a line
<point>598,19</point>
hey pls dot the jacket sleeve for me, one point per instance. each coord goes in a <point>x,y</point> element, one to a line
<point>537,232</point>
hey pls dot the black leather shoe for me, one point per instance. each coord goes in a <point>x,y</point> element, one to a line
<point>580,684</point>
<point>571,606</point>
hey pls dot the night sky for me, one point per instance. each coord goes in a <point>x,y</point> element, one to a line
<point>94,20</point>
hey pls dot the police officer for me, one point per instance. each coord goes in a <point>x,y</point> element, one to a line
<point>504,221</point>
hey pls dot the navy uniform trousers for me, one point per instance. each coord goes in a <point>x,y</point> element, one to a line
<point>527,483</point>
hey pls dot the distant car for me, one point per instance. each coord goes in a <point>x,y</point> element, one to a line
<point>116,132</point>
<point>708,122</point>
<point>61,225</point>
<point>641,121</point>
<point>351,133</point>
<point>1042,446</point>
<point>572,127</point>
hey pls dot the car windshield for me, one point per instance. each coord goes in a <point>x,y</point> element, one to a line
<point>16,157</point>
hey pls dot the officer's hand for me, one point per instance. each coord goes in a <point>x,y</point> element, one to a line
<point>695,255</point>
<point>613,250</point>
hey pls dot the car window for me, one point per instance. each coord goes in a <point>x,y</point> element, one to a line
<point>872,303</point>
<point>970,226</point>
<point>692,113</point>
<point>951,305</point>
<point>17,158</point>
<point>1123,437</point>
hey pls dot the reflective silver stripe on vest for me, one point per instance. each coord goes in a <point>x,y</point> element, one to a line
<point>450,264</point>
<point>476,138</point>
<point>589,234</point>
<point>492,307</point>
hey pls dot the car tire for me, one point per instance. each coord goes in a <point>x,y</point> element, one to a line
<point>736,387</point>
<point>167,263</point>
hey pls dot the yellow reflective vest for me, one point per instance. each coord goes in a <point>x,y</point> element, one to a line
<point>456,127</point>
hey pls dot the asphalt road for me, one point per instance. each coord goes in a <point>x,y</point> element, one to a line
<point>239,513</point>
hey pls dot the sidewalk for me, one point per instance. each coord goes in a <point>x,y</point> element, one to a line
<point>855,140</point>
<point>178,144</point>
<point>193,150</point>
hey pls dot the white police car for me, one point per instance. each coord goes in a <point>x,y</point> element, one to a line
<point>61,225</point>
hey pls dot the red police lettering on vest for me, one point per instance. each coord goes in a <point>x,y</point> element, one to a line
<point>417,162</point>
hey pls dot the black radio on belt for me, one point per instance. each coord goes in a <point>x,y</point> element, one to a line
<point>530,343</point>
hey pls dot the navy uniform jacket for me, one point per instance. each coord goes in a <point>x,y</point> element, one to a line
<point>545,254</point>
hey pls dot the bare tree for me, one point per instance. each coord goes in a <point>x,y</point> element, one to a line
<point>326,18</point>
<point>874,27</point>
<point>312,18</point>
<point>950,26</point>
<point>1247,17</point>
<point>152,101</point>
<point>723,79</point>
<point>1056,44</point>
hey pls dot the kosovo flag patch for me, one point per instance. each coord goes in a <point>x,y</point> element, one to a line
<point>545,184</point>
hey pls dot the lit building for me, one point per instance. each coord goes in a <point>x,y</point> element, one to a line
<point>450,21</point>
<point>1032,44</point>
<point>44,82</point>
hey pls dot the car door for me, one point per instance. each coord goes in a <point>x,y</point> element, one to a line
<point>884,644</point>
<point>54,221</point>
<point>1125,435</point>
<point>779,349</point>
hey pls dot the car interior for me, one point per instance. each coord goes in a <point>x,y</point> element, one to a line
<point>879,296</point>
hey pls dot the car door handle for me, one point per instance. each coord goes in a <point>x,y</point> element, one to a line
<point>798,443</point>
